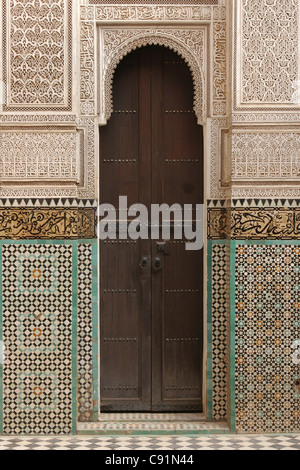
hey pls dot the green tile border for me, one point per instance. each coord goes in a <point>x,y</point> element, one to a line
<point>95,328</point>
<point>74,336</point>
<point>209,385</point>
<point>1,339</point>
<point>232,416</point>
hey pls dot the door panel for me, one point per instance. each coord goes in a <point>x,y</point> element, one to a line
<point>177,342</point>
<point>125,313</point>
<point>151,319</point>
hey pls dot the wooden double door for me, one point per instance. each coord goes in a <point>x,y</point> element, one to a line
<point>151,290</point>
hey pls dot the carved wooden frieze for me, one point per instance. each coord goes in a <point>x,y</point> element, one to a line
<point>271,223</point>
<point>217,223</point>
<point>253,223</point>
<point>47,223</point>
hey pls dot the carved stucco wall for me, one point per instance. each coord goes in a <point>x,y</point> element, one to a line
<point>197,33</point>
<point>268,52</point>
<point>266,106</point>
<point>36,155</point>
<point>86,42</point>
<point>265,32</point>
<point>42,145</point>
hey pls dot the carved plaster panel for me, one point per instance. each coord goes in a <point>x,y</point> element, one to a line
<point>196,32</point>
<point>266,49</point>
<point>219,71</point>
<point>116,39</point>
<point>40,155</point>
<point>89,189</point>
<point>266,156</point>
<point>115,43</point>
<point>266,118</point>
<point>265,191</point>
<point>87,68</point>
<point>37,55</point>
<point>159,3</point>
<point>152,13</point>
<point>71,181</point>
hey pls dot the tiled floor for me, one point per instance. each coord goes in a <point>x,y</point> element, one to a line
<point>212,442</point>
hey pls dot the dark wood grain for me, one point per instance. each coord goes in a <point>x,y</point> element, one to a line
<point>151,320</point>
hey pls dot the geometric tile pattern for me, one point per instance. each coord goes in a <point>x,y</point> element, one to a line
<point>37,302</point>
<point>85,334</point>
<point>267,306</point>
<point>153,443</point>
<point>219,332</point>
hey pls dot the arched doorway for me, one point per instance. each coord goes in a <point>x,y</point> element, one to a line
<point>151,291</point>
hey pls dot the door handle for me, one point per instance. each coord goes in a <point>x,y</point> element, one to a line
<point>144,263</point>
<point>157,263</point>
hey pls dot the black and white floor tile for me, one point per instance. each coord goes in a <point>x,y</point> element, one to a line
<point>212,442</point>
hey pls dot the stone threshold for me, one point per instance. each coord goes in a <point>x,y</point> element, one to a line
<point>152,424</point>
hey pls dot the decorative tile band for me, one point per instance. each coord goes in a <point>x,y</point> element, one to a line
<point>217,327</point>
<point>265,203</point>
<point>47,223</point>
<point>87,395</point>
